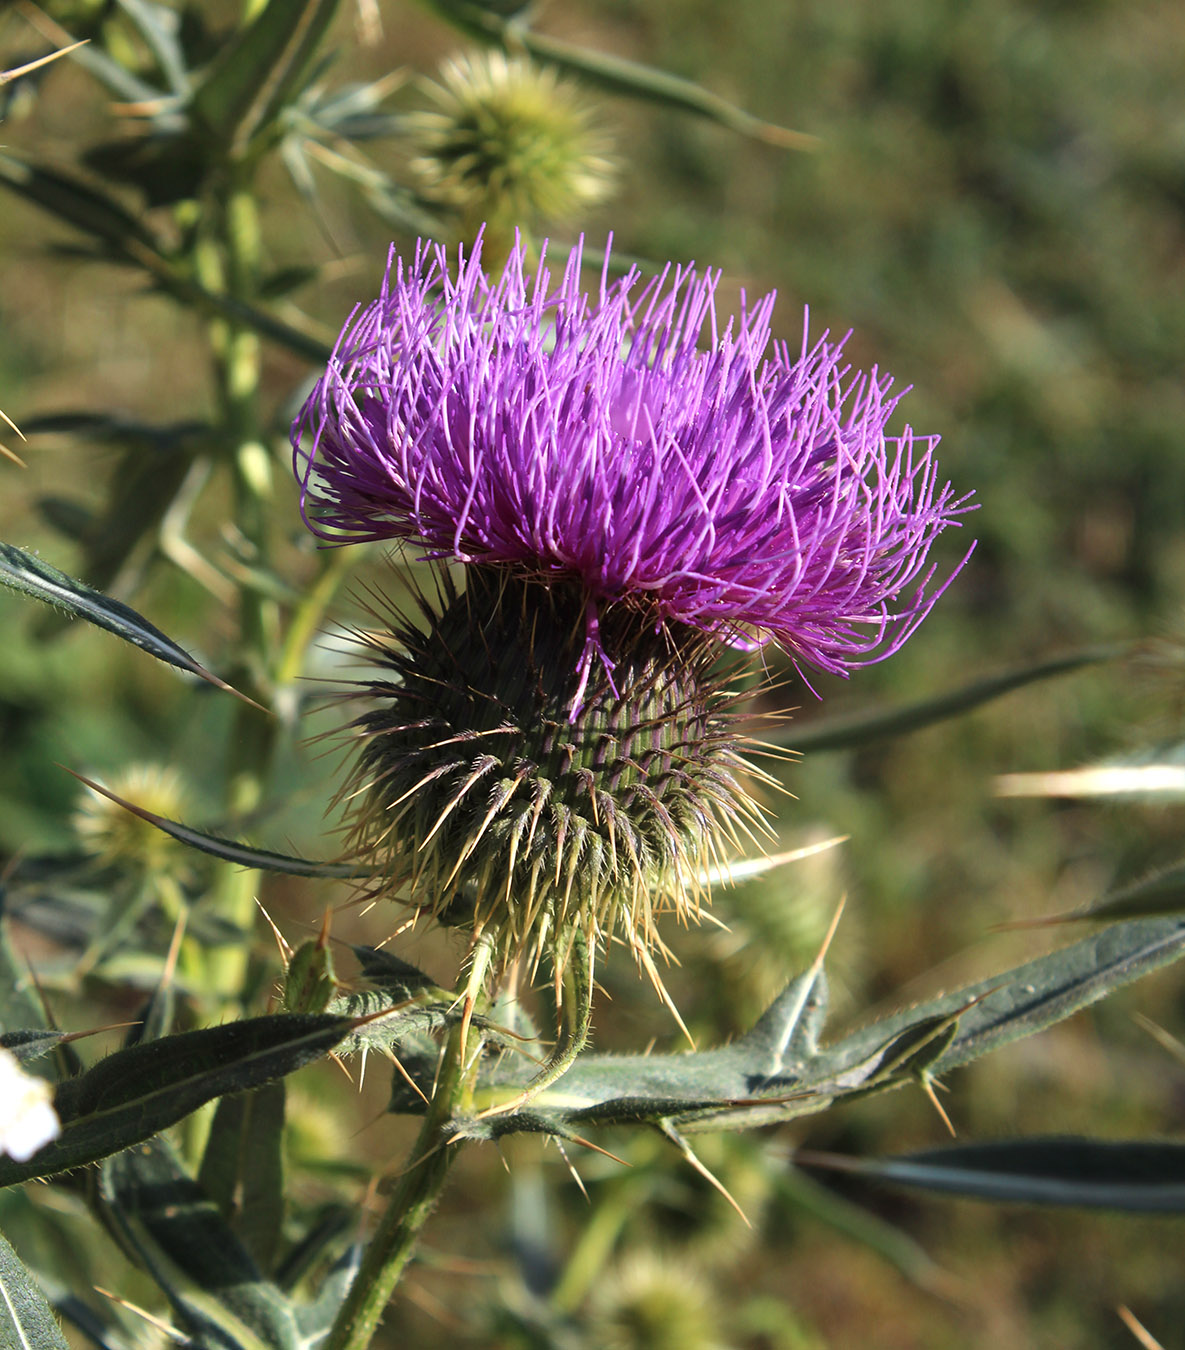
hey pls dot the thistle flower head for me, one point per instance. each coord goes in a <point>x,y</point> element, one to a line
<point>734,488</point>
<point>509,142</point>
<point>632,485</point>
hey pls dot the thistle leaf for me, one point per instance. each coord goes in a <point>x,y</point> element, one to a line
<point>243,1168</point>
<point>78,204</point>
<point>26,1322</point>
<point>617,74</point>
<point>1133,1175</point>
<point>776,1072</point>
<point>31,576</point>
<point>842,733</point>
<point>260,70</point>
<point>228,849</point>
<point>1029,998</point>
<point>137,1091</point>
<point>175,1231</point>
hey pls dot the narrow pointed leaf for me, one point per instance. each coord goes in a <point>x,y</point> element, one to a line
<point>30,1045</point>
<point>1136,1175</point>
<point>841,733</point>
<point>79,204</point>
<point>260,69</point>
<point>1030,997</point>
<point>26,1322</point>
<point>177,1231</point>
<point>228,849</point>
<point>617,74</point>
<point>243,1168</point>
<point>159,28</point>
<point>31,576</point>
<point>137,1091</point>
<point>1156,896</point>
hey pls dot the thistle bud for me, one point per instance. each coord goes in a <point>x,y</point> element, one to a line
<point>115,836</point>
<point>510,144</point>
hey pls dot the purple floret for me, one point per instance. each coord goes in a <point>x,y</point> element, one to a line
<point>512,421</point>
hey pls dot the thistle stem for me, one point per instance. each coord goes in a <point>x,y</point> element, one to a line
<point>420,1184</point>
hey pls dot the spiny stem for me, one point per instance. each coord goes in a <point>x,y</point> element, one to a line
<point>419,1186</point>
<point>576,1010</point>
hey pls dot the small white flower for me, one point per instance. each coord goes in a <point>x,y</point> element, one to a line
<point>27,1118</point>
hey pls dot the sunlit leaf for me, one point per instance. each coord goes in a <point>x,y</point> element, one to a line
<point>842,733</point>
<point>260,69</point>
<point>135,1092</point>
<point>26,1322</point>
<point>32,576</point>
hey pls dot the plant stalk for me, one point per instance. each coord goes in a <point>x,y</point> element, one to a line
<point>419,1185</point>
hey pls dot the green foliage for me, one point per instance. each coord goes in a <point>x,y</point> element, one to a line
<point>25,1319</point>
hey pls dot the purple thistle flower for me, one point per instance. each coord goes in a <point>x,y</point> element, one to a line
<point>730,487</point>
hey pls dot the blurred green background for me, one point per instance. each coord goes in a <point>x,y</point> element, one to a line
<point>996,208</point>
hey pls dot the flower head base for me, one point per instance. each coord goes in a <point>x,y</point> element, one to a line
<point>478,796</point>
<point>514,421</point>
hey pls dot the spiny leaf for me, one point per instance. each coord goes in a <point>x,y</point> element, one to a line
<point>1134,1175</point>
<point>776,1072</point>
<point>26,1322</point>
<point>31,576</point>
<point>177,1233</point>
<point>135,1092</point>
<point>227,849</point>
<point>840,733</point>
<point>617,74</point>
<point>260,70</point>
<point>243,1168</point>
<point>1155,896</point>
<point>79,204</point>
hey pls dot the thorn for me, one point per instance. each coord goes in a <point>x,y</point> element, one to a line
<point>576,1177</point>
<point>685,1148</point>
<point>407,1078</point>
<point>170,967</point>
<point>928,1088</point>
<point>178,1337</point>
<point>1165,1039</point>
<point>285,949</point>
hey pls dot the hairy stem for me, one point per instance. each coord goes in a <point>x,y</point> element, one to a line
<point>419,1185</point>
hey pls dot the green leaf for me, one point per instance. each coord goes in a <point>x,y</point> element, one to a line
<point>842,733</point>
<point>30,1045</point>
<point>26,1322</point>
<point>31,576</point>
<point>776,1072</point>
<point>1136,1175</point>
<point>617,74</point>
<point>78,204</point>
<point>1155,896</point>
<point>1003,1008</point>
<point>243,1168</point>
<point>144,1088</point>
<point>228,849</point>
<point>19,1007</point>
<point>175,1231</point>
<point>260,70</point>
<point>160,28</point>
